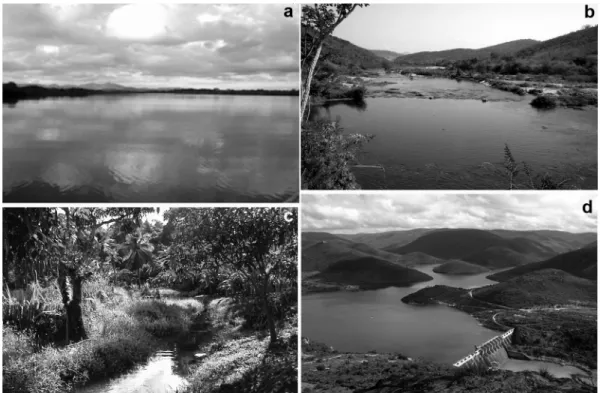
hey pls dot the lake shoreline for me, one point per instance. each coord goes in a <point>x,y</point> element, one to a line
<point>13,93</point>
<point>487,315</point>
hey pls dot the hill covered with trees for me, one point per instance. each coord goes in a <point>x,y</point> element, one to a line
<point>438,57</point>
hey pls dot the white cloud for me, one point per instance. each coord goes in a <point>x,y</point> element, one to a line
<point>350,213</point>
<point>48,49</point>
<point>208,18</point>
<point>154,45</point>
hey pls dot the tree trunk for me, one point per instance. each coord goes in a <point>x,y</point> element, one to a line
<point>311,71</point>
<point>71,290</point>
<point>267,309</point>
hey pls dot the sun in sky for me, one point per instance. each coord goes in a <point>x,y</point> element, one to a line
<point>138,22</point>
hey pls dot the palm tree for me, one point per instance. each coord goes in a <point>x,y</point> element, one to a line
<point>137,253</point>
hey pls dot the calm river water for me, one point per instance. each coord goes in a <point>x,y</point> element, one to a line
<point>151,148</point>
<point>444,142</point>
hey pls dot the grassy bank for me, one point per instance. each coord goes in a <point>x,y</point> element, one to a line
<point>241,359</point>
<point>123,331</point>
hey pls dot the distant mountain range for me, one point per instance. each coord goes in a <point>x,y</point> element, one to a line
<point>388,54</point>
<point>387,239</point>
<point>464,54</point>
<point>480,247</point>
<point>318,255</point>
<point>389,258</point>
<point>92,86</point>
<point>568,47</point>
<point>106,86</point>
<point>541,287</point>
<point>581,263</point>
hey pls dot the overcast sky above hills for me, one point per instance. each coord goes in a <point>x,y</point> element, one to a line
<point>433,27</point>
<point>357,213</point>
<point>151,45</point>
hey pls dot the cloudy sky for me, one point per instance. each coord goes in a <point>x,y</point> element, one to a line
<point>355,213</point>
<point>432,27</point>
<point>151,45</point>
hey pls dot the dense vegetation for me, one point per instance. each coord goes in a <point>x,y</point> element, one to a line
<point>327,153</point>
<point>11,92</point>
<point>91,292</point>
<point>348,56</point>
<point>328,156</point>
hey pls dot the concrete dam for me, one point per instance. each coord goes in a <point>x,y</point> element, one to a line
<point>490,353</point>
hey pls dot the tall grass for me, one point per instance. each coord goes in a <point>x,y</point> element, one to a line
<point>122,330</point>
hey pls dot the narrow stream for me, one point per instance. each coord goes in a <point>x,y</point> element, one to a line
<point>164,372</point>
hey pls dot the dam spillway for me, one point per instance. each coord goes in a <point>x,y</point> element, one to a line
<point>490,353</point>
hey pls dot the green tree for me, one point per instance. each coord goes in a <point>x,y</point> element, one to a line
<point>137,254</point>
<point>61,243</point>
<point>255,247</point>
<point>319,20</point>
<point>387,65</point>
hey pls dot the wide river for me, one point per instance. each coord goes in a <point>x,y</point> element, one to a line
<point>450,141</point>
<point>152,148</point>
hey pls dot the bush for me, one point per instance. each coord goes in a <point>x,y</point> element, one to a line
<point>327,156</point>
<point>357,93</point>
<point>545,373</point>
<point>544,102</point>
<point>281,304</point>
<point>159,318</point>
